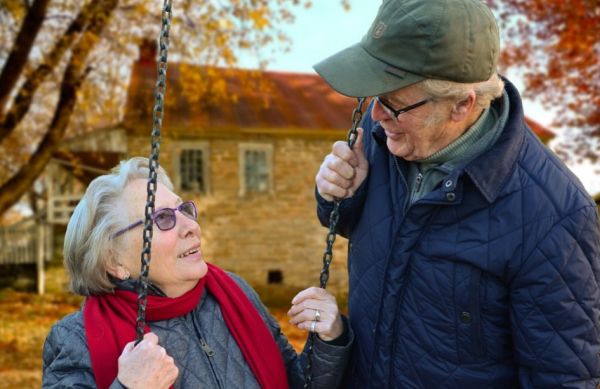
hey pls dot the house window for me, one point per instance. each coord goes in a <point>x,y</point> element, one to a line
<point>191,167</point>
<point>274,277</point>
<point>256,172</point>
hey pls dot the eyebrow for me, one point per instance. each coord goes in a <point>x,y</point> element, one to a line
<point>395,101</point>
<point>178,201</point>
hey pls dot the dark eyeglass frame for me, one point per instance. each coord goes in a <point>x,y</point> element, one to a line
<point>394,113</point>
<point>169,212</point>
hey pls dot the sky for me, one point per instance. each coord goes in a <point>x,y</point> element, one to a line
<point>327,28</point>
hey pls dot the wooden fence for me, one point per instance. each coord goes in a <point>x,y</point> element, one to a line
<point>27,242</point>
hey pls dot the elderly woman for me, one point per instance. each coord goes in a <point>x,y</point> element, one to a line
<point>206,328</point>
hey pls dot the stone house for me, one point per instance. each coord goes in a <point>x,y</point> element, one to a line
<point>249,164</point>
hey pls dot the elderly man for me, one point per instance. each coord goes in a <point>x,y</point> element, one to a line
<point>474,252</point>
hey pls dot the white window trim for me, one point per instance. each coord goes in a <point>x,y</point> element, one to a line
<point>191,145</point>
<point>253,146</point>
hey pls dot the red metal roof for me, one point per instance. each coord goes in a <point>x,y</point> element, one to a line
<point>285,101</point>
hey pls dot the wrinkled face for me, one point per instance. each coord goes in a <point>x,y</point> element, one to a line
<point>418,133</point>
<point>176,257</point>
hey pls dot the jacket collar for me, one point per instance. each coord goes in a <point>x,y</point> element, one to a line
<point>502,157</point>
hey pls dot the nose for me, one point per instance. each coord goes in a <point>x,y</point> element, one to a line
<point>188,227</point>
<point>378,113</point>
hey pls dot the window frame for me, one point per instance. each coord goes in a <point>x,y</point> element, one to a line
<point>181,146</point>
<point>267,148</point>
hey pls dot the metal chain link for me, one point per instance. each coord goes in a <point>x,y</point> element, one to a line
<point>331,235</point>
<point>157,117</point>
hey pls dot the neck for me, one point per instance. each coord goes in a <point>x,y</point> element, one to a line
<point>179,289</point>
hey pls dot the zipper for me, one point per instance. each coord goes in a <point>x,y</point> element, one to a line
<point>406,198</point>
<point>208,351</point>
<point>419,181</point>
<point>206,348</point>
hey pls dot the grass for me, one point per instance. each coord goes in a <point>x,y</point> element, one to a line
<point>26,319</point>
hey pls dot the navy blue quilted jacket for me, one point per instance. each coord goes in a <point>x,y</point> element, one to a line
<point>489,281</point>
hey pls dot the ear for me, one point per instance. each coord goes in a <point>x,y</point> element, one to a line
<point>118,271</point>
<point>463,108</point>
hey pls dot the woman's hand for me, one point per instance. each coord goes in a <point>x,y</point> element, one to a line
<point>146,365</point>
<point>315,309</point>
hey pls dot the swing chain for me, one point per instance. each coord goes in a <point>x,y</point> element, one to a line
<point>328,254</point>
<point>157,118</point>
<point>335,215</point>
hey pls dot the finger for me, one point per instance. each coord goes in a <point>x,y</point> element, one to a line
<point>307,310</point>
<point>330,191</point>
<point>311,305</point>
<point>310,326</point>
<point>340,166</point>
<point>336,179</point>
<point>359,148</point>
<point>309,315</point>
<point>128,347</point>
<point>312,292</point>
<point>151,338</point>
<point>170,361</point>
<point>173,373</point>
<point>341,150</point>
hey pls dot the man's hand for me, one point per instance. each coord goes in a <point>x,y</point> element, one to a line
<point>342,171</point>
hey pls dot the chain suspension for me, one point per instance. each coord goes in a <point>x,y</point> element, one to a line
<point>331,235</point>
<point>157,118</point>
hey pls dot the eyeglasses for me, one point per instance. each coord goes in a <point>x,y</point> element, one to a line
<point>394,113</point>
<point>164,218</point>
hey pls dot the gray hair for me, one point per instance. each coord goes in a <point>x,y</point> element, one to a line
<point>485,91</point>
<point>88,247</point>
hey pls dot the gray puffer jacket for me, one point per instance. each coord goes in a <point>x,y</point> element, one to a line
<point>206,354</point>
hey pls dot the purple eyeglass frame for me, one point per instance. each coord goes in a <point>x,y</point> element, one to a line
<point>153,216</point>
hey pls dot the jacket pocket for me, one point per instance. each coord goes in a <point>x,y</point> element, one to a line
<point>467,299</point>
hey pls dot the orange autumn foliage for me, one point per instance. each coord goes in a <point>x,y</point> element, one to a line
<point>64,65</point>
<point>555,46</point>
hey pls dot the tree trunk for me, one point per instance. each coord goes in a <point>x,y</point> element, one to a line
<point>21,48</point>
<point>16,186</point>
<point>24,96</point>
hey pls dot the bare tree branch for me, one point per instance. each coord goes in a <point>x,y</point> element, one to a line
<point>25,95</point>
<point>12,190</point>
<point>21,48</point>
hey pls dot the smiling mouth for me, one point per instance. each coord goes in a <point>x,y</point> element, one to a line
<point>190,252</point>
<point>393,135</point>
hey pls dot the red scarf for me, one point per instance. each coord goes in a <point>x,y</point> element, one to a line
<point>109,322</point>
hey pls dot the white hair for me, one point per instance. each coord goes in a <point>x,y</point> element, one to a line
<point>88,247</point>
<point>485,91</point>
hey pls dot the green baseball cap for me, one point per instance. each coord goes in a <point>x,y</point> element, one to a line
<point>411,40</point>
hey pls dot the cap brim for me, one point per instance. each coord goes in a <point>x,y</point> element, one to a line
<point>356,73</point>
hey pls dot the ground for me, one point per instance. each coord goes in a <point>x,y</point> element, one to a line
<point>26,319</point>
